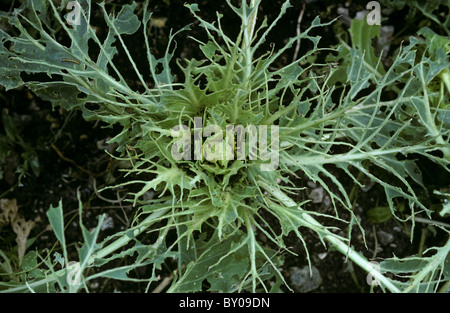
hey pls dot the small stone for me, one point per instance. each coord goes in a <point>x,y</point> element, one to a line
<point>316,195</point>
<point>303,280</point>
<point>385,238</point>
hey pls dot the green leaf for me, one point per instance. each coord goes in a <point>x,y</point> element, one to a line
<point>361,35</point>
<point>358,58</point>
<point>213,265</point>
<point>427,271</point>
<point>56,219</point>
<point>126,21</point>
<point>379,214</point>
<point>90,245</point>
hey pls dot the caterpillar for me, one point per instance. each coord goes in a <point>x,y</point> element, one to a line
<point>70,61</point>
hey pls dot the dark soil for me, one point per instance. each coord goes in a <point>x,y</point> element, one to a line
<point>72,158</point>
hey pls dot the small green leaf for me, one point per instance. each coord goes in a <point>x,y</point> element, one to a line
<point>56,219</point>
<point>209,50</point>
<point>397,266</point>
<point>379,214</point>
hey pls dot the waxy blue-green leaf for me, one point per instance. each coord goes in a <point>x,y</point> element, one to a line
<point>56,219</point>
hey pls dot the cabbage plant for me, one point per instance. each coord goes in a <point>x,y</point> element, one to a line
<point>221,146</point>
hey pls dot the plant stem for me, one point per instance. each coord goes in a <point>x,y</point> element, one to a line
<point>445,76</point>
<point>122,241</point>
<point>350,156</point>
<point>248,36</point>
